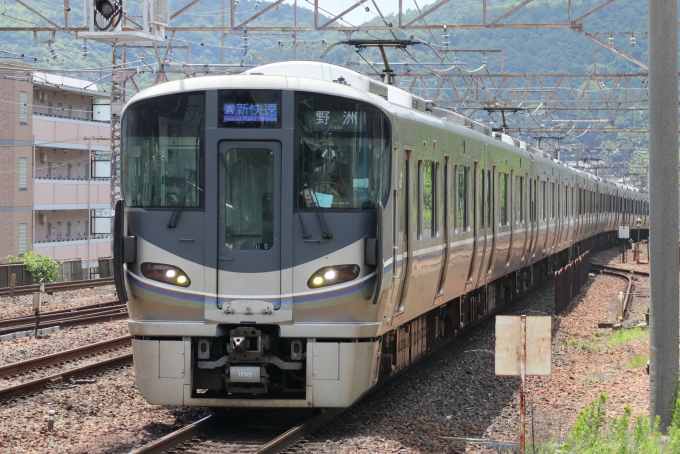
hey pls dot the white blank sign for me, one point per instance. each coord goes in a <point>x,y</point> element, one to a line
<point>509,345</point>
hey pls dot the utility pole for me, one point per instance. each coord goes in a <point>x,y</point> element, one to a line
<point>90,173</point>
<point>663,200</point>
<point>117,104</point>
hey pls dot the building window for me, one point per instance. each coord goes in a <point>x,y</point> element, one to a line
<point>58,231</point>
<point>23,174</point>
<point>23,107</point>
<point>60,109</point>
<point>49,107</point>
<point>68,230</point>
<point>22,239</point>
<point>69,112</point>
<point>78,229</point>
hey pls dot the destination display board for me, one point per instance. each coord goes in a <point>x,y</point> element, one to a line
<point>249,109</point>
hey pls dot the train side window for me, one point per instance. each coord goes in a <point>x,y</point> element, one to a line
<point>534,202</point>
<point>566,200</point>
<point>463,219</point>
<point>519,183</point>
<point>482,198</point>
<point>427,220</point>
<point>489,198</point>
<point>552,202</point>
<point>544,210</point>
<point>504,198</point>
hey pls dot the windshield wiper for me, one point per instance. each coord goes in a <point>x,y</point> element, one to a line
<point>190,181</point>
<point>325,233</point>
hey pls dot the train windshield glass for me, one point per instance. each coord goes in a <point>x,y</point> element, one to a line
<point>162,151</point>
<point>343,154</point>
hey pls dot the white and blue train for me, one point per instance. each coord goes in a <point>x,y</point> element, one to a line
<point>292,234</point>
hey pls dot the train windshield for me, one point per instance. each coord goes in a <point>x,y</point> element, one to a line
<point>162,151</point>
<point>343,155</point>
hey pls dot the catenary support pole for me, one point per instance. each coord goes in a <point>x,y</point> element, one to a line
<point>663,195</point>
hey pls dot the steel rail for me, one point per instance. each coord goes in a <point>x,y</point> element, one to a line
<point>292,435</point>
<point>55,358</point>
<point>177,437</point>
<point>612,271</point>
<point>68,313</point>
<point>104,315</point>
<point>58,286</point>
<point>598,267</point>
<point>41,383</point>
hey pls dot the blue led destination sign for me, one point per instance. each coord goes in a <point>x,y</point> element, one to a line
<point>250,113</point>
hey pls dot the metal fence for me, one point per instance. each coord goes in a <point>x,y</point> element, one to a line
<point>569,280</point>
<point>69,271</point>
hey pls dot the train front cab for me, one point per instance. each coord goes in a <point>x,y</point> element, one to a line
<point>249,284</point>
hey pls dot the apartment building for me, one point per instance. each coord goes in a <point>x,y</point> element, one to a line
<point>54,163</point>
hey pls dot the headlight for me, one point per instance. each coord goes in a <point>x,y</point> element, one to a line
<point>331,275</point>
<point>165,273</point>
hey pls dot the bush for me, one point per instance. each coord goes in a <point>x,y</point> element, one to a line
<point>43,269</point>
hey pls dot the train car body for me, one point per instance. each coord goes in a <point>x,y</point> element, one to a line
<point>292,234</point>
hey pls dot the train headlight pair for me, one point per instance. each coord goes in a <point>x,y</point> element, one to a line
<point>168,274</point>
<point>332,275</point>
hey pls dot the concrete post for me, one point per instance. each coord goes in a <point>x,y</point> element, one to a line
<point>663,196</point>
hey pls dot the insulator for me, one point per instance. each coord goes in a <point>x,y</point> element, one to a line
<point>611,40</point>
<point>632,40</point>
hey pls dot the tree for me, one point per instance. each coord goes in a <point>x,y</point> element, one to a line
<point>43,269</point>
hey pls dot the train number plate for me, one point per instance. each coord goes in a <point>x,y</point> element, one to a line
<point>244,374</point>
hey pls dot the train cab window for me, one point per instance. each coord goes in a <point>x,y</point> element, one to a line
<point>343,155</point>
<point>163,151</point>
<point>504,198</point>
<point>427,202</point>
<point>462,219</point>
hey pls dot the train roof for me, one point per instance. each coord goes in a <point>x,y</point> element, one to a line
<point>287,75</point>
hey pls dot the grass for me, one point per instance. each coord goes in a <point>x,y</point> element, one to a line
<point>593,377</point>
<point>624,336</point>
<point>638,360</point>
<point>620,337</point>
<point>623,436</point>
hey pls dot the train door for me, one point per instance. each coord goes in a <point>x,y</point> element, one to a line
<point>477,217</point>
<point>249,213</point>
<point>403,214</point>
<point>486,197</point>
<point>447,224</point>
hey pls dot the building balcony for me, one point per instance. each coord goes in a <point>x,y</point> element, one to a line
<point>100,246</point>
<point>56,194</point>
<point>57,132</point>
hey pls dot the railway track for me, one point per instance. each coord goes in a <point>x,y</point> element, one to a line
<point>626,274</point>
<point>110,310</point>
<point>245,432</point>
<point>58,359</point>
<point>58,286</point>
